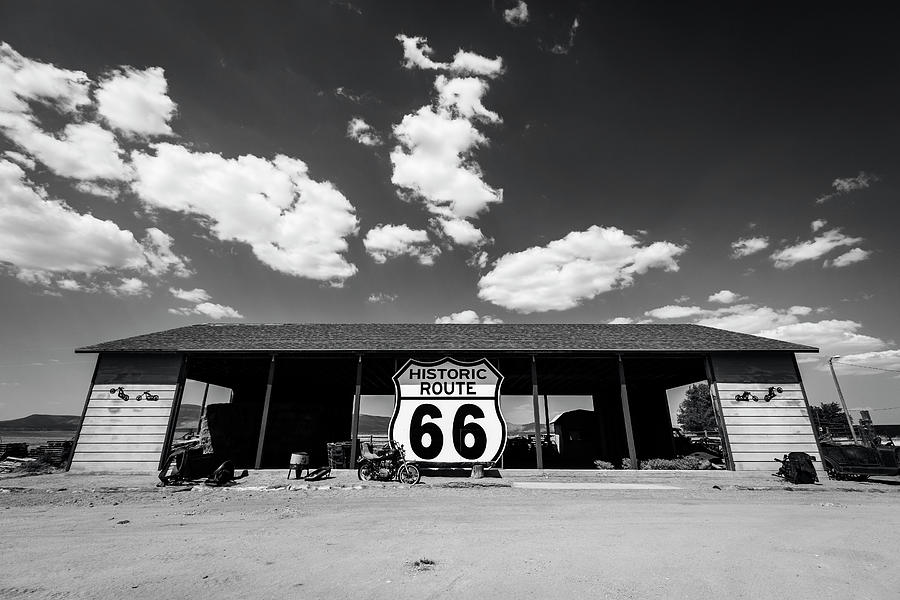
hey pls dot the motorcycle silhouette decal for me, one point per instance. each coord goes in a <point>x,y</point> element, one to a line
<point>448,412</point>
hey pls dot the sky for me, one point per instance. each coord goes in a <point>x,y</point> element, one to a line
<point>168,163</point>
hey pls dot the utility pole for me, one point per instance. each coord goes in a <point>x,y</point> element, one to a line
<point>841,396</point>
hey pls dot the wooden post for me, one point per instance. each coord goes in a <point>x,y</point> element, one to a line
<point>354,428</point>
<point>173,415</point>
<point>547,417</point>
<point>265,415</point>
<point>537,415</point>
<point>83,413</point>
<point>809,411</point>
<point>629,432</point>
<point>720,415</point>
<point>202,407</point>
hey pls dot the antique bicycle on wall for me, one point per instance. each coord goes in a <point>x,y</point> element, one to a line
<point>387,464</point>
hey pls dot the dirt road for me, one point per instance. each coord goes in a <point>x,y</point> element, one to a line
<point>487,542</point>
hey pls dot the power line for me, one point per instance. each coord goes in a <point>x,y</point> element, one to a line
<point>867,367</point>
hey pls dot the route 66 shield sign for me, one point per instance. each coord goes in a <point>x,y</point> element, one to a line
<point>448,412</point>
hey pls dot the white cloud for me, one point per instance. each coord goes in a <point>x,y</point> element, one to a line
<point>832,336</point>
<point>672,311</point>
<point>23,80</point>
<point>20,159</point>
<point>846,185</point>
<point>434,161</point>
<point>725,297</point>
<point>42,238</point>
<point>389,241</point>
<point>622,321</point>
<point>209,309</point>
<point>467,317</point>
<point>818,224</point>
<point>812,249</point>
<point>136,102</point>
<point>567,271</point>
<point>517,15</point>
<point>83,150</point>
<point>885,359</point>
<point>196,295</point>
<point>417,54</point>
<point>850,257</point>
<point>462,95</point>
<point>96,189</point>
<point>747,246</point>
<point>381,298</point>
<point>565,48</point>
<point>128,286</point>
<point>292,223</point>
<point>362,132</point>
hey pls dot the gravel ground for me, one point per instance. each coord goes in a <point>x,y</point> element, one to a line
<point>89,536</point>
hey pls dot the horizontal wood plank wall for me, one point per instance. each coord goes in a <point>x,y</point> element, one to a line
<point>124,435</point>
<point>760,431</point>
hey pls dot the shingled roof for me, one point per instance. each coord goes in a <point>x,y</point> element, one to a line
<point>369,337</point>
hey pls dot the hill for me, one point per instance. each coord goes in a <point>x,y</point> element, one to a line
<point>43,423</point>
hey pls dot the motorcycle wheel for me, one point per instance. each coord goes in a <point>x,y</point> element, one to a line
<point>409,474</point>
<point>366,472</point>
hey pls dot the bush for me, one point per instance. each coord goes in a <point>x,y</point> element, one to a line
<point>688,463</point>
<point>603,465</point>
<point>626,463</point>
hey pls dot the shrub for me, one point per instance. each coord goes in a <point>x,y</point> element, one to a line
<point>686,463</point>
<point>603,465</point>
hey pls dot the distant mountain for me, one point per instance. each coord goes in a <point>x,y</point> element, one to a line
<point>188,417</point>
<point>43,423</point>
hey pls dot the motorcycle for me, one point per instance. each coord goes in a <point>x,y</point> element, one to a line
<point>387,464</point>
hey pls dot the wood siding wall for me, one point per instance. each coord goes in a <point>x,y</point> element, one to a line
<point>124,436</point>
<point>759,431</point>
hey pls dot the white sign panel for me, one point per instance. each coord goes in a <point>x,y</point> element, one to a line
<point>448,412</point>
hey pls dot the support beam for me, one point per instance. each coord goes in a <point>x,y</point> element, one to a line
<point>547,417</point>
<point>629,432</point>
<point>717,409</point>
<point>202,408</point>
<point>265,415</point>
<point>87,401</point>
<point>354,428</point>
<point>537,415</point>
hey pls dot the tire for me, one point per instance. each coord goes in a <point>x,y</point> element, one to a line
<point>366,472</point>
<point>408,473</point>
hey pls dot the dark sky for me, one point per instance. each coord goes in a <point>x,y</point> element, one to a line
<point>692,124</point>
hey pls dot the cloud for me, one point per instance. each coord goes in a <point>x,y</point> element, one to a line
<point>20,159</point>
<point>209,309</point>
<point>812,249</point>
<point>130,286</point>
<point>622,321</point>
<point>884,359</point>
<point>97,189</point>
<point>417,55</point>
<point>567,271</point>
<point>196,295</point>
<point>846,185</point>
<point>517,15</point>
<point>362,132</point>
<point>202,306</point>
<point>747,246</point>
<point>389,241</point>
<point>467,317</point>
<point>292,223</point>
<point>565,48</point>
<point>672,311</point>
<point>42,239</point>
<point>381,298</point>
<point>462,96</point>
<point>850,257</point>
<point>136,102</point>
<point>82,150</point>
<point>832,336</point>
<point>725,297</point>
<point>818,224</point>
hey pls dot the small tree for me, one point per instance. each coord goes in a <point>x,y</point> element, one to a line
<point>695,413</point>
<point>830,418</point>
